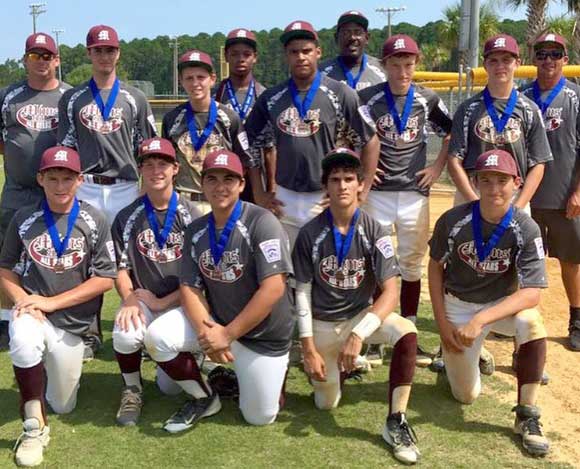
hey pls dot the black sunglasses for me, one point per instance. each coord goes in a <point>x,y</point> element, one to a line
<point>553,54</point>
<point>35,56</point>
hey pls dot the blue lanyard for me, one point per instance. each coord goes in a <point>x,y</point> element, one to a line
<point>198,141</point>
<point>248,100</point>
<point>342,243</point>
<point>60,246</point>
<point>217,247</point>
<point>161,237</point>
<point>352,81</point>
<point>105,108</point>
<point>543,105</point>
<point>304,105</point>
<point>498,123</point>
<point>400,121</point>
<point>484,249</point>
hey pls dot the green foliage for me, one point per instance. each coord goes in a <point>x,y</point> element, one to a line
<point>11,71</point>
<point>79,74</point>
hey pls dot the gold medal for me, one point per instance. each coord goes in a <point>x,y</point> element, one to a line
<point>58,266</point>
<point>400,142</point>
<point>162,257</point>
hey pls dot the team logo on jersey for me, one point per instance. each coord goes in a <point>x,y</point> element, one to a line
<point>43,253</point>
<point>387,130</point>
<point>290,123</point>
<point>91,118</point>
<point>229,269</point>
<point>347,277</point>
<point>553,119</point>
<point>498,261</point>
<point>485,130</point>
<point>195,159</point>
<point>38,117</point>
<point>172,251</point>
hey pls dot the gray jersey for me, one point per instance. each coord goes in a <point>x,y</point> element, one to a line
<point>333,120</point>
<point>29,253</point>
<point>222,96</point>
<point>149,267</point>
<point>524,135</point>
<point>516,261</point>
<point>341,292</point>
<point>28,123</point>
<point>562,122</point>
<point>228,133</point>
<point>403,155</point>
<point>373,74</point>
<point>107,148</point>
<point>258,247</point>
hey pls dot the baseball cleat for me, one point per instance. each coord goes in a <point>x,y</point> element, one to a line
<point>192,412</point>
<point>438,365</point>
<point>362,365</point>
<point>423,359</point>
<point>486,362</point>
<point>400,436</point>
<point>130,407</point>
<point>528,425</point>
<point>574,331</point>
<point>31,443</point>
<point>374,355</point>
<point>4,336</point>
<point>545,376</point>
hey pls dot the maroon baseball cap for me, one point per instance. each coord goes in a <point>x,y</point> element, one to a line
<point>223,159</point>
<point>551,38</point>
<point>41,41</point>
<point>501,43</point>
<point>499,161</point>
<point>298,30</point>
<point>340,154</point>
<point>60,157</point>
<point>157,147</point>
<point>102,36</point>
<point>400,44</point>
<point>195,58</point>
<point>353,16</point>
<point>241,36</point>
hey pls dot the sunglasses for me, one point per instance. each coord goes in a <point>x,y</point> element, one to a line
<point>35,56</point>
<point>553,54</point>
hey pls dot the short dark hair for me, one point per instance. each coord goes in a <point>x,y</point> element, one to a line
<point>344,165</point>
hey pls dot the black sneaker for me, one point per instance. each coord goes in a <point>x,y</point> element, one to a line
<point>400,436</point>
<point>528,425</point>
<point>92,346</point>
<point>438,365</point>
<point>574,331</point>
<point>4,336</point>
<point>192,412</point>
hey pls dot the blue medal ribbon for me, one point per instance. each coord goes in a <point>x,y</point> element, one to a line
<point>342,243</point>
<point>248,100</point>
<point>500,123</point>
<point>198,141</point>
<point>304,105</point>
<point>217,247</point>
<point>105,108</point>
<point>543,105</point>
<point>352,81</point>
<point>400,121</point>
<point>58,245</point>
<point>484,249</point>
<point>161,237</point>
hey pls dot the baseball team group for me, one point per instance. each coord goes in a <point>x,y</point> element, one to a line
<point>262,217</point>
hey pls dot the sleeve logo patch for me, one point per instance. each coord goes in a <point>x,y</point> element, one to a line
<point>271,250</point>
<point>365,113</point>
<point>540,248</point>
<point>385,245</point>
<point>243,139</point>
<point>111,250</point>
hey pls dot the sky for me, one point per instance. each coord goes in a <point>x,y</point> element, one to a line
<point>147,18</point>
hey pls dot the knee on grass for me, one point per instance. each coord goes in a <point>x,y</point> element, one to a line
<point>327,396</point>
<point>259,417</point>
<point>466,396</point>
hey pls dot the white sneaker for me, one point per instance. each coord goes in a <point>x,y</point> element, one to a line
<point>31,443</point>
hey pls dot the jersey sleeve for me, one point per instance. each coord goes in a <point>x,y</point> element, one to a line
<point>104,261</point>
<point>259,128</point>
<point>361,128</point>
<point>531,260</point>
<point>384,259</point>
<point>538,146</point>
<point>145,126</point>
<point>12,247</point>
<point>439,117</point>
<point>2,123</point>
<point>240,144</point>
<point>438,243</point>
<point>120,244</point>
<point>302,258</point>
<point>66,131</point>
<point>190,274</point>
<point>271,248</point>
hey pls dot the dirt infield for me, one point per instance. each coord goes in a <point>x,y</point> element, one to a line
<point>560,400</point>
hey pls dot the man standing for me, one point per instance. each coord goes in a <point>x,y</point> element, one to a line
<point>28,123</point>
<point>353,65</point>
<point>556,203</point>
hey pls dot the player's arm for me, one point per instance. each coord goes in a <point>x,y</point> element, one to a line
<point>429,175</point>
<point>130,311</point>
<point>460,178</point>
<point>10,283</point>
<point>314,365</point>
<point>573,204</point>
<point>369,159</point>
<point>533,180</point>
<point>270,159</point>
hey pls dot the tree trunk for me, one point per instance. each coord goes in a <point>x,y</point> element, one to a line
<point>536,15</point>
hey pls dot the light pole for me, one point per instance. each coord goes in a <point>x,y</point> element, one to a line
<point>36,9</point>
<point>58,32</point>
<point>390,12</point>
<point>174,44</point>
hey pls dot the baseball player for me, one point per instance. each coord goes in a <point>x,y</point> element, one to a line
<point>202,125</point>
<point>148,236</point>
<point>28,121</point>
<point>304,118</point>
<point>556,203</point>
<point>339,258</point>
<point>234,296</point>
<point>485,273</point>
<point>57,258</point>
<point>353,65</point>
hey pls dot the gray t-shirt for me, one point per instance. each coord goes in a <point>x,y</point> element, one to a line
<point>517,260</point>
<point>228,133</point>
<point>562,122</point>
<point>222,96</point>
<point>373,74</point>
<point>341,292</point>
<point>29,253</point>
<point>28,123</point>
<point>137,250</point>
<point>107,148</point>
<point>257,248</point>
<point>524,135</point>
<point>333,120</point>
<point>403,155</point>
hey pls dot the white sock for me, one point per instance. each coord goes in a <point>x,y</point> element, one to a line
<point>192,388</point>
<point>133,379</point>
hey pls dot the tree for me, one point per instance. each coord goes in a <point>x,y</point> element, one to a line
<point>83,73</point>
<point>433,57</point>
<point>536,16</point>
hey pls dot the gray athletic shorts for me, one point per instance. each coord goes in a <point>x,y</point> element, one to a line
<point>561,235</point>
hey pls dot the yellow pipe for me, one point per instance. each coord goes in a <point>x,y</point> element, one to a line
<point>423,75</point>
<point>479,75</point>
